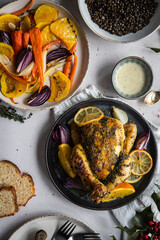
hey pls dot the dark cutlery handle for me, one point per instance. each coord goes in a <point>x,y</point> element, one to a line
<point>41,235</point>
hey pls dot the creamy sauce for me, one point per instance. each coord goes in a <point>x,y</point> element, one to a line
<point>131,78</point>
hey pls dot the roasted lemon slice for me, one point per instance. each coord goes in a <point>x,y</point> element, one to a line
<point>64,155</point>
<point>120,191</point>
<point>133,178</point>
<point>87,115</point>
<point>142,162</point>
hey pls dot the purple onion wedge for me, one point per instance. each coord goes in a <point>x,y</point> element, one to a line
<point>142,141</point>
<point>5,37</point>
<point>59,53</point>
<point>62,134</point>
<point>38,99</point>
<point>75,183</point>
<point>24,58</point>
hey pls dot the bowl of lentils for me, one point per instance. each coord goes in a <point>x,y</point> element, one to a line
<point>121,20</point>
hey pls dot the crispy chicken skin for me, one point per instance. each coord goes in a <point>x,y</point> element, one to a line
<point>120,173</point>
<point>82,168</point>
<point>75,133</point>
<point>103,143</point>
<point>130,130</point>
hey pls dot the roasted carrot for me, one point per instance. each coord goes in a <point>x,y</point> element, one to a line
<point>73,70</point>
<point>25,39</point>
<point>35,37</point>
<point>25,77</point>
<point>50,44</point>
<point>12,99</point>
<point>19,12</point>
<point>17,41</point>
<point>34,71</point>
<point>18,78</point>
<point>68,60</point>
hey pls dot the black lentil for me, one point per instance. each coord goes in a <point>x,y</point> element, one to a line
<point>121,17</point>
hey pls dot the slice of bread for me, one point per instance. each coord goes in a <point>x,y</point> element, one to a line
<point>8,202</point>
<point>10,175</point>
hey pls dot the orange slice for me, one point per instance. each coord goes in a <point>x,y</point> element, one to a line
<point>64,155</point>
<point>120,191</point>
<point>87,115</point>
<point>142,162</point>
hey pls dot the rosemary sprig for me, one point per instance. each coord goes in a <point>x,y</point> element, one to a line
<point>11,113</point>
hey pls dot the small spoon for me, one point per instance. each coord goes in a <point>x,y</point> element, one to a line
<point>41,235</point>
<point>152,97</point>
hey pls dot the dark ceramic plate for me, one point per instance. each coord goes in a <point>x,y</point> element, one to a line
<point>58,175</point>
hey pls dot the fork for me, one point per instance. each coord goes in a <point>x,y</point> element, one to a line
<point>65,231</point>
<point>85,236</point>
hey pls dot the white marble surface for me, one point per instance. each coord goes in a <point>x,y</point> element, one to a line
<point>24,144</point>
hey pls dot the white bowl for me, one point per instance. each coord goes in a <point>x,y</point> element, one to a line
<point>148,77</point>
<point>146,31</point>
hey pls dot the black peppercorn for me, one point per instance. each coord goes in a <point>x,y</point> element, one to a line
<point>121,17</point>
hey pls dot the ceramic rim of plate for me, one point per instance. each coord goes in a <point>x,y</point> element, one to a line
<point>23,106</point>
<point>52,215</point>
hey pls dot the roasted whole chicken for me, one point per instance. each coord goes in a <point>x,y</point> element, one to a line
<point>101,154</point>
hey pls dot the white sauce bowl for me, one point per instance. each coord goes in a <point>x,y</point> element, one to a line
<point>132,77</point>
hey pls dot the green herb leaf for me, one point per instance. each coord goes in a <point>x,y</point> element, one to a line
<point>157,50</point>
<point>129,231</point>
<point>113,237</point>
<point>10,113</point>
<point>141,218</point>
<point>156,198</point>
<point>158,186</point>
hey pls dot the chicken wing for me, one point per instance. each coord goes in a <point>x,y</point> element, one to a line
<point>130,130</point>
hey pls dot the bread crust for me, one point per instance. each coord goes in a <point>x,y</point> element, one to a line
<point>12,189</point>
<point>21,176</point>
<point>33,188</point>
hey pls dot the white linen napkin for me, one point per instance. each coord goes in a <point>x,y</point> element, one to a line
<point>124,214</point>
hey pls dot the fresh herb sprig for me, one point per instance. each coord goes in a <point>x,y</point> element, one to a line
<point>144,226</point>
<point>11,113</point>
